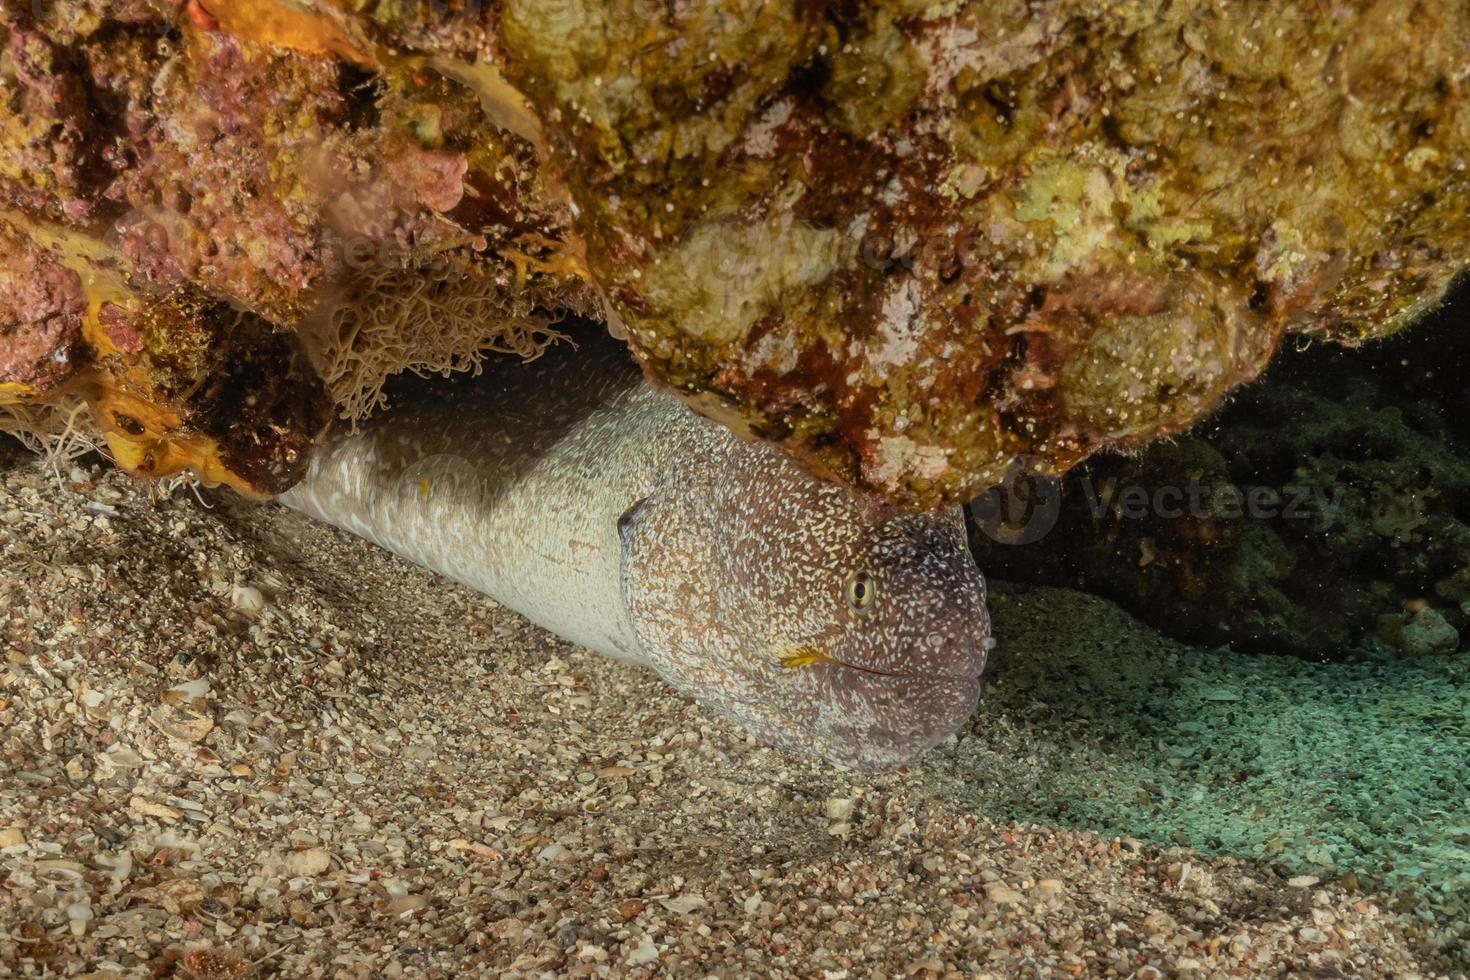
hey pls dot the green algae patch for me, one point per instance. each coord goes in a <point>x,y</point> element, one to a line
<point>1347,771</point>
<point>1078,201</point>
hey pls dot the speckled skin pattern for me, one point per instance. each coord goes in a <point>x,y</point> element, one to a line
<point>608,512</point>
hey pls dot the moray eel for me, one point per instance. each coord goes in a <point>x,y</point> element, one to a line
<point>608,512</point>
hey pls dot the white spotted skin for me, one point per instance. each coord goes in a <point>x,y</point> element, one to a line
<point>498,483</point>
<point>611,514</point>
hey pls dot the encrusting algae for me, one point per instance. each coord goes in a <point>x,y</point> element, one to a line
<point>909,242</point>
<point>208,183</point>
<point>913,241</point>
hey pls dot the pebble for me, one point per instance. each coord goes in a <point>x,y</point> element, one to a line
<point>248,600</point>
<point>1049,887</point>
<point>1428,633</point>
<point>554,852</point>
<point>643,953</point>
<point>407,904</point>
<point>308,863</point>
<point>1002,894</point>
<point>684,904</point>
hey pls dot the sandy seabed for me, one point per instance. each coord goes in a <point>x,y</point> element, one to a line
<point>235,743</point>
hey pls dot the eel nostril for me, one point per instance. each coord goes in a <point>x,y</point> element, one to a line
<point>975,654</point>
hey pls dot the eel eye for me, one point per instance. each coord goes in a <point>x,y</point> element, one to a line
<point>862,591</point>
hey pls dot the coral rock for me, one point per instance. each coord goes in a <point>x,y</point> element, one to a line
<point>908,242</point>
<point>911,242</point>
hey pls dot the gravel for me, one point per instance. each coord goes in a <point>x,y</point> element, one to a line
<point>234,743</point>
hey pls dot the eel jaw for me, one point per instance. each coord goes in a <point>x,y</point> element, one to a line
<point>866,718</point>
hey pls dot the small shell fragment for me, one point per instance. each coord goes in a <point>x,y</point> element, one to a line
<point>308,863</point>
<point>181,724</point>
<point>248,600</point>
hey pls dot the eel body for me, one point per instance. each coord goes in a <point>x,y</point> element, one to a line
<point>610,513</point>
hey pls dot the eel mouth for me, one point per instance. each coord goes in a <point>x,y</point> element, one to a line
<point>869,718</point>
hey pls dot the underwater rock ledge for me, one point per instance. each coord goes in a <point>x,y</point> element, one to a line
<point>913,241</point>
<point>907,242</point>
<point>1325,512</point>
